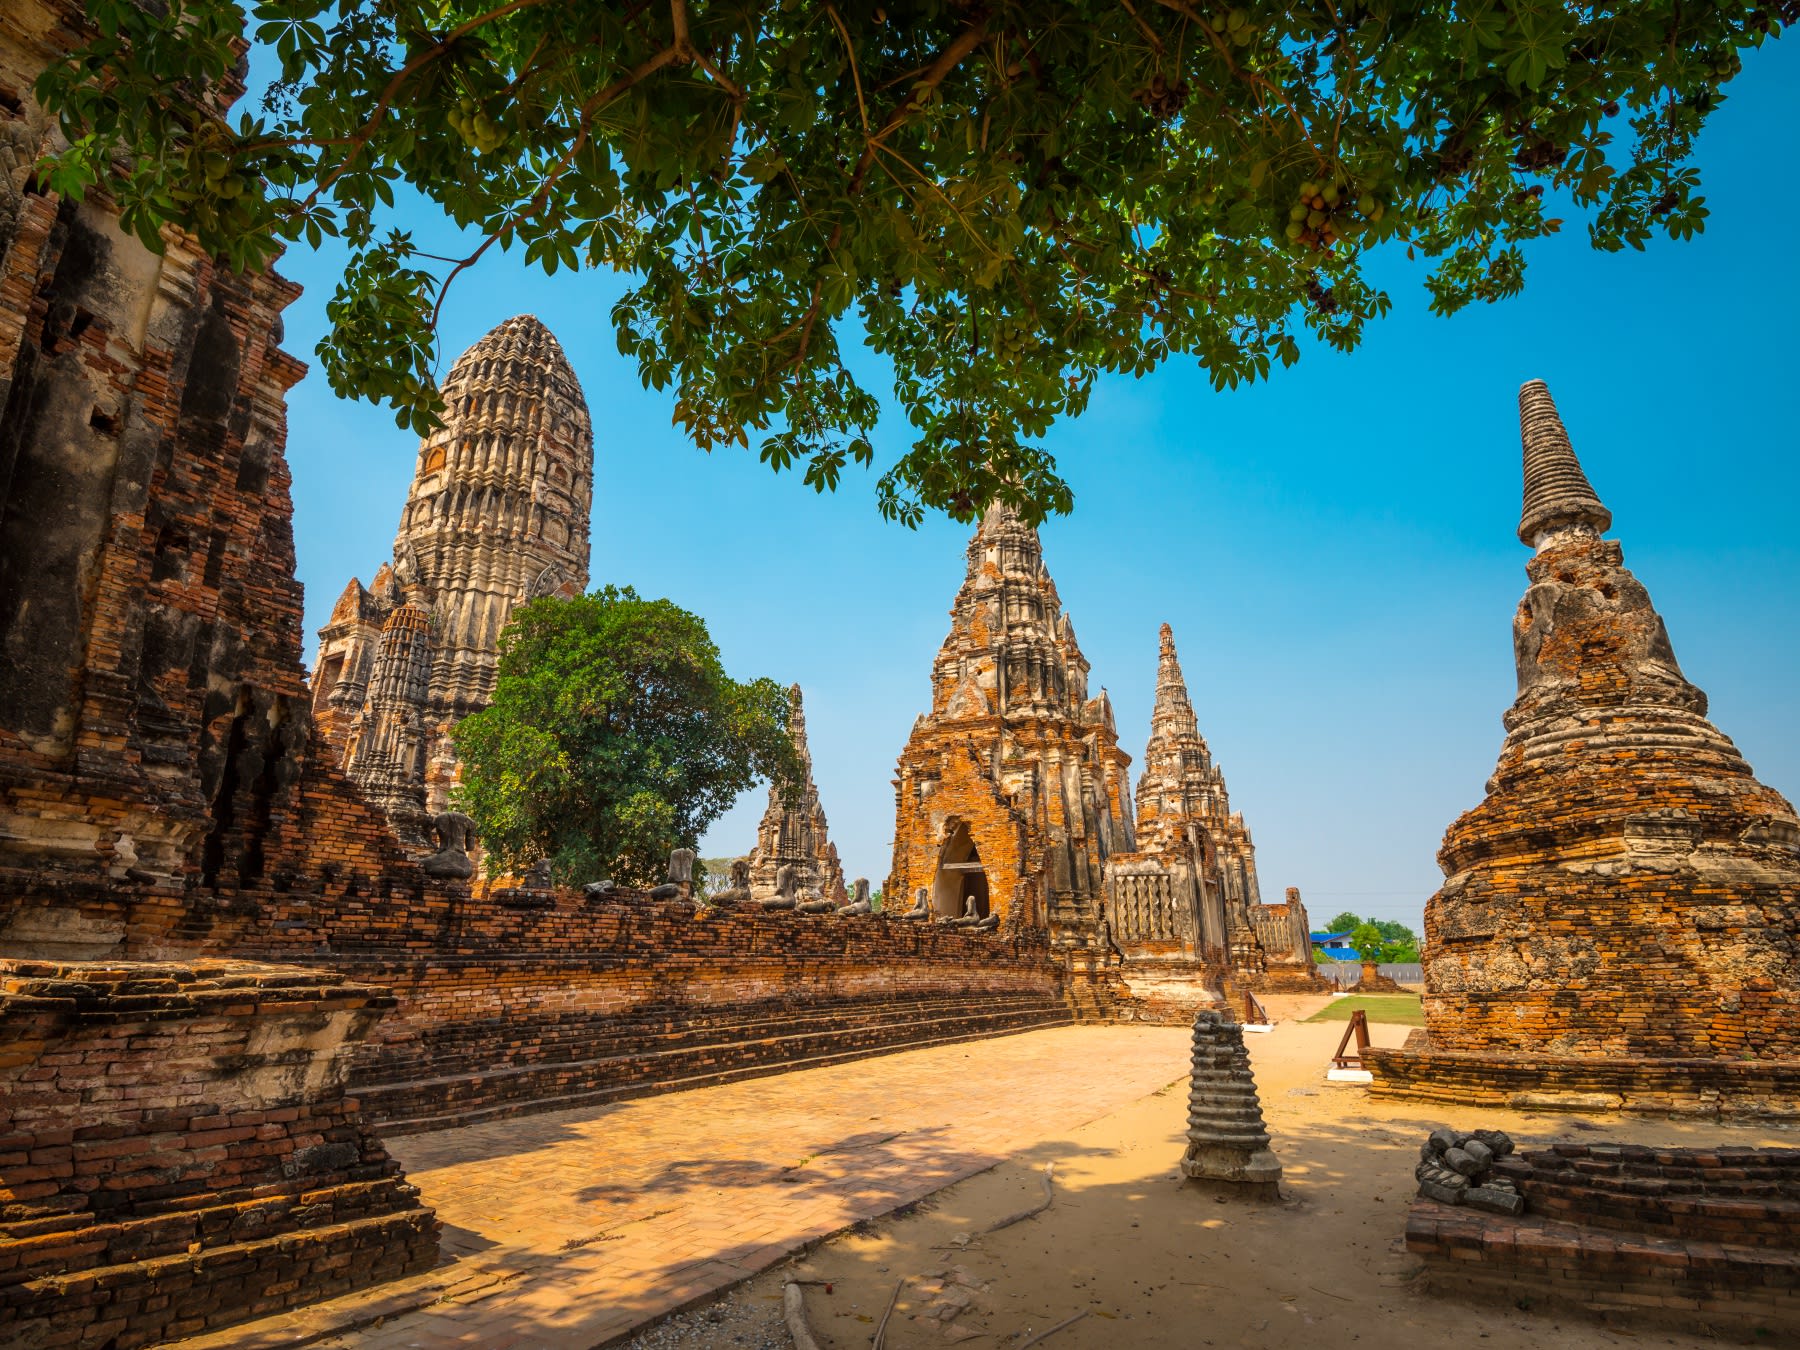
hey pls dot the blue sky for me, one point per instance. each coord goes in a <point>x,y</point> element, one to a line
<point>1334,549</point>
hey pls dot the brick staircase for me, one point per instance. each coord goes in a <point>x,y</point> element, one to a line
<point>476,1071</point>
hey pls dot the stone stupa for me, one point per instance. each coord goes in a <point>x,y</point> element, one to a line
<point>1619,925</point>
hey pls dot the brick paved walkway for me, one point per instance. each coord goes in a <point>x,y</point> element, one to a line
<point>572,1229</point>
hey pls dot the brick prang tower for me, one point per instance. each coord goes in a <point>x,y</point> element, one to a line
<point>497,515</point>
<point>793,830</point>
<point>1012,791</point>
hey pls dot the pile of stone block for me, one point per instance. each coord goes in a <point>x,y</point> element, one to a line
<point>1457,1168</point>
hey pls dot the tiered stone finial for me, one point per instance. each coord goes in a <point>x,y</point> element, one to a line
<point>497,515</point>
<point>1228,1144</point>
<point>1627,889</point>
<point>1557,492</point>
<point>1012,790</point>
<point>793,832</point>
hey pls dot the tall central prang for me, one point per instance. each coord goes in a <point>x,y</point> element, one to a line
<point>497,515</point>
<point>1012,791</point>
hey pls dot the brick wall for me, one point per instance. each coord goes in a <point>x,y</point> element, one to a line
<point>527,1008</point>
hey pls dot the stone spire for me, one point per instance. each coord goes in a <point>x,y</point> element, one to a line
<point>1011,650</point>
<point>1627,887</point>
<point>497,515</point>
<point>1182,802</point>
<point>1012,790</point>
<point>793,831</point>
<point>498,512</point>
<point>1557,492</point>
<point>386,746</point>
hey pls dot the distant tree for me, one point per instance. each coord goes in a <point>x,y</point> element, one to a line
<point>875,899</point>
<point>1400,953</point>
<point>1368,941</point>
<point>1392,931</point>
<point>1395,931</point>
<point>614,736</point>
<point>1004,199</point>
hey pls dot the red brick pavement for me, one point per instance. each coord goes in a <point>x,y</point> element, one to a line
<point>572,1229</point>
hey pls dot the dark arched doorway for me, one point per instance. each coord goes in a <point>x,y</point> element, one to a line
<point>960,877</point>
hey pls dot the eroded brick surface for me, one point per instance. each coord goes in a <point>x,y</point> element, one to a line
<point>497,515</point>
<point>1184,906</point>
<point>1012,792</point>
<point>177,1151</point>
<point>1628,893</point>
<point>1702,1237</point>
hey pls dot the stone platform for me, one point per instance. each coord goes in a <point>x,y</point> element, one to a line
<point>177,1152</point>
<point>1712,1089</point>
<point>1699,1237</point>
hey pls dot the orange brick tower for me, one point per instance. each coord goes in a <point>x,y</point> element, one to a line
<point>497,515</point>
<point>793,832</point>
<point>1012,791</point>
<point>1620,924</point>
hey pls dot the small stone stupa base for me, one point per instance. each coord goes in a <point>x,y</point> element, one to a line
<point>1228,1145</point>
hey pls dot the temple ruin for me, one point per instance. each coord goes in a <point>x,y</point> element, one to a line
<point>219,965</point>
<point>1011,792</point>
<point>497,515</point>
<point>792,832</point>
<point>1184,906</point>
<point>1619,921</point>
<point>1013,805</point>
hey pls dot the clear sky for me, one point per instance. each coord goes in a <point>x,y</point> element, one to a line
<point>1334,549</point>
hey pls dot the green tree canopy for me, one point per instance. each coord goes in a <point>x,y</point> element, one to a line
<point>614,736</point>
<point>1391,930</point>
<point>1004,198</point>
<point>1368,941</point>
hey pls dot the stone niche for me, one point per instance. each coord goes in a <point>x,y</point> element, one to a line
<point>1620,922</point>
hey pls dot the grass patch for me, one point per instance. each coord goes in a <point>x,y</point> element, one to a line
<point>1402,1009</point>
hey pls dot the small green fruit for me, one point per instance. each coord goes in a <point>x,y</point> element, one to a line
<point>1366,204</point>
<point>1295,229</point>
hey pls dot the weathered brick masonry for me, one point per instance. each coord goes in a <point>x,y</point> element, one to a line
<point>177,1152</point>
<point>1183,906</point>
<point>1627,896</point>
<point>1011,800</point>
<point>160,789</point>
<point>646,997</point>
<point>1709,1238</point>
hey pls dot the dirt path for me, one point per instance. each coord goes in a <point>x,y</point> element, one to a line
<point>1151,1264</point>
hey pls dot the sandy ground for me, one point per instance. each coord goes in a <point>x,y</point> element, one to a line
<point>1150,1263</point>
